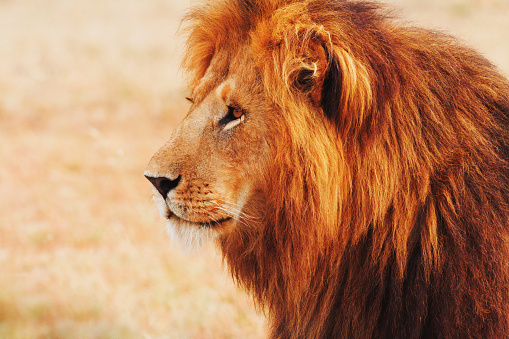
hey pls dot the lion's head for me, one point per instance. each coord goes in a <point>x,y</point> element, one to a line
<point>240,141</point>
<point>353,170</point>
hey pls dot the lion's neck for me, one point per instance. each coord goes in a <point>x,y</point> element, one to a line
<point>292,282</point>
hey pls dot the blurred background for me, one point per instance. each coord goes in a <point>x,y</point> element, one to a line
<point>89,90</point>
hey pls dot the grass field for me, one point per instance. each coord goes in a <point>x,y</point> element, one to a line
<point>89,90</point>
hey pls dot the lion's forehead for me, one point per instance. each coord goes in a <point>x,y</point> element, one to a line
<point>227,73</point>
<point>210,86</point>
<point>225,89</point>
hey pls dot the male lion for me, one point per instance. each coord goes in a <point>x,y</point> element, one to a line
<point>353,170</point>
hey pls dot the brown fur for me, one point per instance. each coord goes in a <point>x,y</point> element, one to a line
<point>379,184</point>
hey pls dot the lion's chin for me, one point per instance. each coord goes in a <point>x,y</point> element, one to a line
<point>192,236</point>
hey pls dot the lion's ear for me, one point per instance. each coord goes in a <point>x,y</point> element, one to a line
<point>311,65</point>
<point>316,71</point>
<point>328,74</point>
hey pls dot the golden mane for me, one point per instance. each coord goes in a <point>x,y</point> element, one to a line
<point>386,210</point>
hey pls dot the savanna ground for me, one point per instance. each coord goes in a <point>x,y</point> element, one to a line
<point>89,89</point>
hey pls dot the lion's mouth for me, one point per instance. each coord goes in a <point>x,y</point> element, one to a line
<point>208,224</point>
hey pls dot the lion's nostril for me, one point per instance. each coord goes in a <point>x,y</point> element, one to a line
<point>163,184</point>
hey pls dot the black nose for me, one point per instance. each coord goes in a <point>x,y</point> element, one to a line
<point>163,184</point>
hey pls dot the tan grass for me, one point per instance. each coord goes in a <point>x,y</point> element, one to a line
<point>88,91</point>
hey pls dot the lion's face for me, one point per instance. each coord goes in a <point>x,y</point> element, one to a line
<point>209,169</point>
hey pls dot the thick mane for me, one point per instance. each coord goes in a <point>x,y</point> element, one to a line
<point>386,207</point>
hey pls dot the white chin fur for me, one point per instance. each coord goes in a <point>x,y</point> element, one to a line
<point>190,237</point>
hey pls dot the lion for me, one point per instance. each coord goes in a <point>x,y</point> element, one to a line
<point>353,169</point>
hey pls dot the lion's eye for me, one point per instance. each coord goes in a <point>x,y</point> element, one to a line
<point>191,100</point>
<point>234,117</point>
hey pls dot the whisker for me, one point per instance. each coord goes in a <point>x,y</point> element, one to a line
<point>235,209</point>
<point>241,217</point>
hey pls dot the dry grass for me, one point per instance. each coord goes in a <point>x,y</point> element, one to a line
<point>88,91</point>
